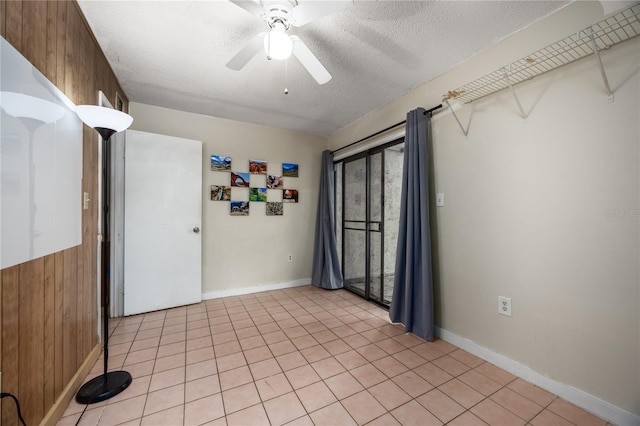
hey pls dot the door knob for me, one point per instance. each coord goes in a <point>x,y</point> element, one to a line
<point>196,229</point>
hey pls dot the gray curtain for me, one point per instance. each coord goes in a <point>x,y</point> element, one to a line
<point>326,271</point>
<point>412,303</point>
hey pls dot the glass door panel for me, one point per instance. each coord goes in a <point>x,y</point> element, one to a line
<point>375,261</point>
<point>354,214</point>
<point>393,163</point>
<point>337,169</point>
<point>375,227</point>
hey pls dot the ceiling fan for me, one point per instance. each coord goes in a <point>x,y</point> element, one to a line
<point>280,15</point>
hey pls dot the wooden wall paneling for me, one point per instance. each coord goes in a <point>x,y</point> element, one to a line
<point>61,42</point>
<point>52,33</point>
<point>58,315</point>
<point>91,170</point>
<point>70,293</point>
<point>91,243</point>
<point>48,385</point>
<point>13,23</point>
<point>48,312</point>
<point>3,13</point>
<point>31,335</point>
<point>70,87</point>
<point>84,260</point>
<point>89,254</point>
<point>81,321</point>
<point>111,90</point>
<point>84,320</point>
<point>101,74</point>
<point>80,82</point>
<point>34,33</point>
<point>105,83</point>
<point>10,338</point>
<point>70,315</point>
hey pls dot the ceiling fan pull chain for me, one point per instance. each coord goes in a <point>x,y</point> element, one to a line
<point>286,76</point>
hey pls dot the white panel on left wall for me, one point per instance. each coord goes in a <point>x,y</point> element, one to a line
<point>40,164</point>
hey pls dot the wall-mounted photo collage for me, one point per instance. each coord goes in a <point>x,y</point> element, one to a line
<point>258,193</point>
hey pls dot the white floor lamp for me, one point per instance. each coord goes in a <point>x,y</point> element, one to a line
<point>106,121</point>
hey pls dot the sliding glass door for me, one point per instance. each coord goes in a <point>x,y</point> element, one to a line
<point>368,206</point>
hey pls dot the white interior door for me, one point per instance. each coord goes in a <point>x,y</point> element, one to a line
<point>162,220</point>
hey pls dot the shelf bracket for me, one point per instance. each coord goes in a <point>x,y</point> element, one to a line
<point>466,132</point>
<point>505,75</point>
<point>596,53</point>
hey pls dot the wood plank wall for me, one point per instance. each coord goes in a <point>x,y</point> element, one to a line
<point>48,313</point>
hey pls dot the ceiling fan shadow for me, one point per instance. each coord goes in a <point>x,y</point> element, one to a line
<point>385,46</point>
<point>263,110</point>
<point>388,11</point>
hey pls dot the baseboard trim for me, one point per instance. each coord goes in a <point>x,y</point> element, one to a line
<point>61,404</point>
<point>255,289</point>
<point>593,404</point>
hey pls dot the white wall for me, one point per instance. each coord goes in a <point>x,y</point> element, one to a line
<point>240,253</point>
<point>527,214</point>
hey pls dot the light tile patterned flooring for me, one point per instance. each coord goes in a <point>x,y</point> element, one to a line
<point>305,356</point>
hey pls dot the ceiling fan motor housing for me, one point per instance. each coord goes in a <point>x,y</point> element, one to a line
<point>278,11</point>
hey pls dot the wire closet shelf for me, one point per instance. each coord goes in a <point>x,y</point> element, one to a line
<point>615,29</point>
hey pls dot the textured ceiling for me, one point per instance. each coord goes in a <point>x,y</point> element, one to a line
<point>173,53</point>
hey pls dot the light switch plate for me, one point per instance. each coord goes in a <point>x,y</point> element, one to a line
<point>440,199</point>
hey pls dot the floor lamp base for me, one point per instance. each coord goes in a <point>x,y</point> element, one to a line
<point>103,387</point>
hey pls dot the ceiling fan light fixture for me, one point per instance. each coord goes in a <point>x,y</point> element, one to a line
<point>277,43</point>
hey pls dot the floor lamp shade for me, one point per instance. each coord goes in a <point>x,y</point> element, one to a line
<point>103,117</point>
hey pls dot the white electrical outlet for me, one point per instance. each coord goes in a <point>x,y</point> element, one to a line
<point>504,305</point>
<point>289,257</point>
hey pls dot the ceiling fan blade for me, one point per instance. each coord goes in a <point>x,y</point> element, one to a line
<point>247,52</point>
<point>309,10</point>
<point>309,61</point>
<point>250,6</point>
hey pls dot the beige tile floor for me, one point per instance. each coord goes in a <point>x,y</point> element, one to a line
<point>305,356</point>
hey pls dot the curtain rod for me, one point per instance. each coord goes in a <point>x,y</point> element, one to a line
<point>429,111</point>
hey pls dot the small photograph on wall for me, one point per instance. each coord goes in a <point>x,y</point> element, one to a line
<point>274,182</point>
<point>289,195</point>
<point>220,193</point>
<point>258,194</point>
<point>240,179</point>
<point>220,163</point>
<point>258,167</point>
<point>274,209</point>
<point>289,170</point>
<point>239,208</point>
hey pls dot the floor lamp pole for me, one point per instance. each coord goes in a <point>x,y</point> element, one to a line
<point>111,383</point>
